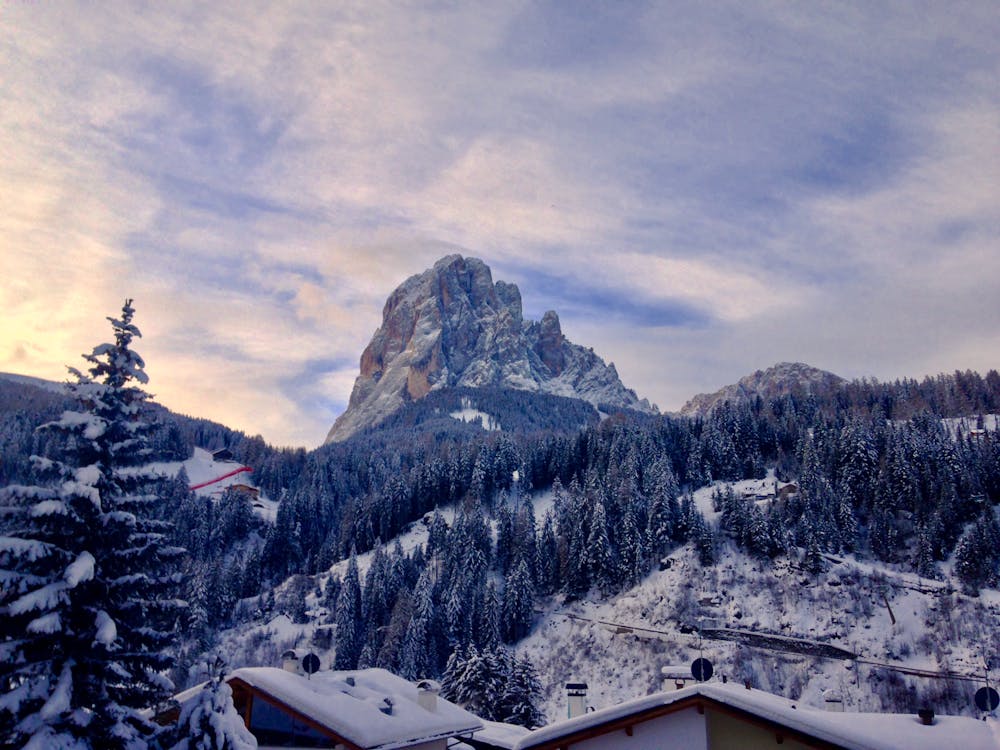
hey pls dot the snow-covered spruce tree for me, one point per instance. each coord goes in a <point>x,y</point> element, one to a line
<point>210,721</point>
<point>493,684</point>
<point>418,654</point>
<point>349,638</point>
<point>518,600</point>
<point>87,603</point>
<point>522,695</point>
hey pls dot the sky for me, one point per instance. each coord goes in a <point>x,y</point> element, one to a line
<point>699,189</point>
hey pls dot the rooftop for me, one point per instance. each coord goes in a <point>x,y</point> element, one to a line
<point>857,731</point>
<point>370,708</point>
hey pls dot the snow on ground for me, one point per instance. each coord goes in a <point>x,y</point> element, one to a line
<point>202,467</point>
<point>965,425</point>
<point>47,385</point>
<point>417,531</point>
<point>261,644</point>
<point>934,630</point>
<point>468,413</point>
<point>265,507</point>
<point>414,535</point>
<point>761,490</point>
<point>848,605</point>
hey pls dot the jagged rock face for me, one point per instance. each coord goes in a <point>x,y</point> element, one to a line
<point>453,326</point>
<point>780,380</point>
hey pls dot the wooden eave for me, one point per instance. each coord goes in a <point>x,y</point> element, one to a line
<point>291,710</point>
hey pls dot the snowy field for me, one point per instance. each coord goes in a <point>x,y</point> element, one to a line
<point>202,469</point>
<point>470,414</point>
<point>760,489</point>
<point>965,425</point>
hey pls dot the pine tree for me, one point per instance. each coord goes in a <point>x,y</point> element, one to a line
<point>506,539</point>
<point>210,720</point>
<point>977,557</point>
<point>494,685</point>
<point>924,563</point>
<point>633,550</point>
<point>518,599</point>
<point>89,602</point>
<point>704,541</point>
<point>599,556</point>
<point>395,633</point>
<point>547,571</point>
<point>488,629</point>
<point>458,607</point>
<point>475,680</point>
<point>349,637</point>
<point>522,695</point>
<point>525,533</point>
<point>664,508</point>
<point>418,653</point>
<point>331,593</point>
<point>437,534</point>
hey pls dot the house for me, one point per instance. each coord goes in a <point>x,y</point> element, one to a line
<point>494,735</point>
<point>787,491</point>
<point>715,716</point>
<point>367,709</point>
<point>247,489</point>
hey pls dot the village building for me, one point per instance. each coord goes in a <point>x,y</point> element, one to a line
<point>716,716</point>
<point>367,709</point>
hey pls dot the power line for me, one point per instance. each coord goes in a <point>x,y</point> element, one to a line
<point>773,642</point>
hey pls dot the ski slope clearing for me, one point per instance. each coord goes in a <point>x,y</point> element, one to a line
<point>468,413</point>
<point>210,477</point>
<point>761,491</point>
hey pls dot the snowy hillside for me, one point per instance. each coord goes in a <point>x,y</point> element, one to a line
<point>600,641</point>
<point>209,476</point>
<point>770,623</point>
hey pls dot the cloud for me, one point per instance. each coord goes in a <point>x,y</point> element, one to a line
<point>699,189</point>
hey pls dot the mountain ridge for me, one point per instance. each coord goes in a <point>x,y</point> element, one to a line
<point>781,379</point>
<point>452,325</point>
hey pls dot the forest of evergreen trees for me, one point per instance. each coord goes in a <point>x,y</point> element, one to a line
<point>877,472</point>
<point>911,492</point>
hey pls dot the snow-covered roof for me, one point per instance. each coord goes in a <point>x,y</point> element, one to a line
<point>355,711</point>
<point>857,731</point>
<point>498,734</point>
<point>674,671</point>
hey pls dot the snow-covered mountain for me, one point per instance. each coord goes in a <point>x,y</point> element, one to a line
<point>453,326</point>
<point>782,379</point>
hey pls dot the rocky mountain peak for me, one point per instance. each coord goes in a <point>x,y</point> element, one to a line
<point>452,325</point>
<point>779,380</point>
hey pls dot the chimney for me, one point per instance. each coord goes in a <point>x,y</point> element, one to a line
<point>576,693</point>
<point>926,715</point>
<point>290,662</point>
<point>427,695</point>
<point>674,677</point>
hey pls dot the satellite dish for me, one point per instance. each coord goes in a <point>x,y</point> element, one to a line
<point>701,669</point>
<point>987,699</point>
<point>310,663</point>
